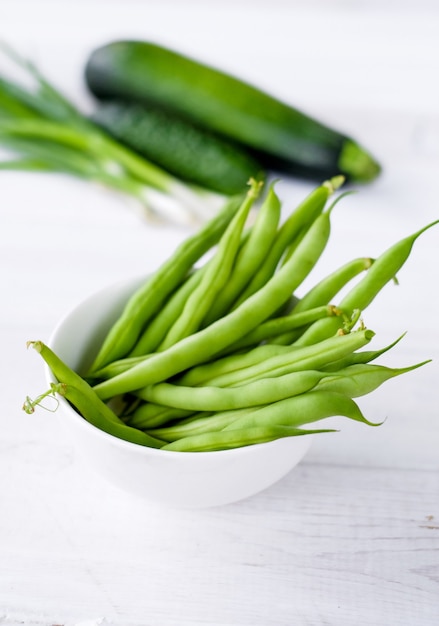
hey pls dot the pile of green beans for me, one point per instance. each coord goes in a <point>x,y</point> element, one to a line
<point>222,353</point>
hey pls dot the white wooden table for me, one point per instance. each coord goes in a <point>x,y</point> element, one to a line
<point>351,536</point>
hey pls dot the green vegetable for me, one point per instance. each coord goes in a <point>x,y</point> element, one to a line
<point>279,327</point>
<point>303,409</point>
<point>213,381</point>
<point>289,234</point>
<point>291,412</point>
<point>295,359</point>
<point>214,279</point>
<point>186,151</point>
<point>382,271</point>
<point>82,396</point>
<point>250,257</point>
<point>215,398</point>
<point>43,131</point>
<point>362,378</point>
<point>143,305</point>
<point>205,373</point>
<point>207,342</point>
<point>322,293</point>
<point>227,440</point>
<point>281,137</point>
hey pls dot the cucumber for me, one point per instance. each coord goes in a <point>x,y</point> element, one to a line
<point>279,136</point>
<point>194,155</point>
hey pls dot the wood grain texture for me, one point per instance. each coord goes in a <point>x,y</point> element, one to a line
<point>324,546</point>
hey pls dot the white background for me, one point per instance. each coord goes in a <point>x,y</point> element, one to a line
<point>352,534</point>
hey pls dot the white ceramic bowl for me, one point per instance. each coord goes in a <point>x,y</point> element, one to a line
<point>180,479</point>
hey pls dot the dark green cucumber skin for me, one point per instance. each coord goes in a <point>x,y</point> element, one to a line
<point>192,154</point>
<point>280,136</point>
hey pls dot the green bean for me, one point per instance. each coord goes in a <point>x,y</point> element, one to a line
<point>64,374</point>
<point>326,289</point>
<point>352,381</point>
<point>149,298</point>
<point>301,219</point>
<point>324,292</point>
<point>382,271</point>
<point>211,398</point>
<point>212,368</point>
<point>250,256</point>
<point>294,242</point>
<point>204,344</point>
<point>198,424</point>
<point>214,278</point>
<point>308,357</point>
<point>227,440</point>
<point>117,367</point>
<point>284,412</point>
<point>309,407</point>
<point>280,326</point>
<point>84,399</point>
<point>97,418</point>
<point>149,415</point>
<point>356,358</point>
<point>358,380</point>
<point>204,373</point>
<point>156,330</point>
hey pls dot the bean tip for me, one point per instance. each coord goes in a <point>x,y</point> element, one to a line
<point>334,183</point>
<point>255,187</point>
<point>37,345</point>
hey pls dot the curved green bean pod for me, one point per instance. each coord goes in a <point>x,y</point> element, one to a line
<point>93,410</point>
<point>227,440</point>
<point>356,358</point>
<point>249,257</point>
<point>290,249</point>
<point>352,381</point>
<point>117,367</point>
<point>324,292</point>
<point>309,407</point>
<point>149,298</point>
<point>197,375</point>
<point>383,270</point>
<point>99,419</point>
<point>149,415</point>
<point>213,278</point>
<point>326,289</point>
<point>358,380</point>
<point>204,344</point>
<point>308,357</point>
<point>299,221</point>
<point>156,330</point>
<point>202,374</point>
<point>198,424</point>
<point>278,327</point>
<point>211,398</point>
<point>305,408</point>
<point>64,374</point>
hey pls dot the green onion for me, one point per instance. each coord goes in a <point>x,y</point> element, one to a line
<point>43,131</point>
